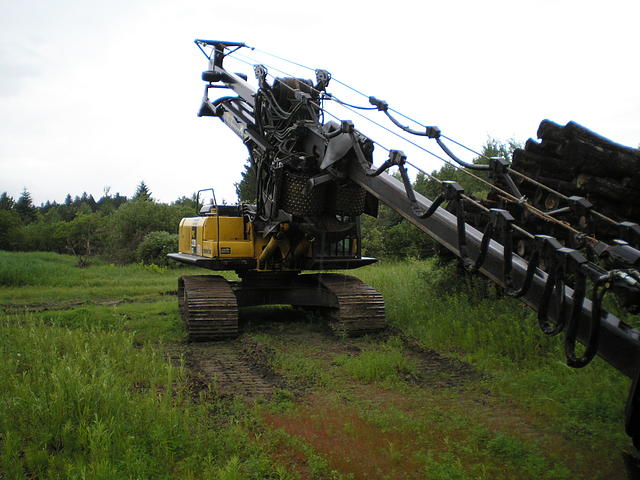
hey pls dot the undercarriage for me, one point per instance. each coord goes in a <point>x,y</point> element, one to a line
<point>209,304</point>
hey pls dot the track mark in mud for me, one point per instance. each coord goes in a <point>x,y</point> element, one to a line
<point>230,369</point>
<point>435,370</point>
<point>432,370</point>
<point>244,367</point>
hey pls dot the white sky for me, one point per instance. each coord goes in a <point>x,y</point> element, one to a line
<point>96,94</point>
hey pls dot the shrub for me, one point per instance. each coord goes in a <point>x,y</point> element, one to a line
<point>154,248</point>
<point>11,230</point>
<point>134,220</point>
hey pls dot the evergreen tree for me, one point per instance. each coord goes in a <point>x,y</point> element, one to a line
<point>45,207</point>
<point>67,209</point>
<point>92,203</point>
<point>143,194</point>
<point>246,188</point>
<point>6,202</point>
<point>25,208</point>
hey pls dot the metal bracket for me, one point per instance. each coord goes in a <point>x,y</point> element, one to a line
<point>499,168</point>
<point>396,157</point>
<point>323,78</point>
<point>260,72</point>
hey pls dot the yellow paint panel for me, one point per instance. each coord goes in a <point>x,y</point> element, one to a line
<point>199,236</point>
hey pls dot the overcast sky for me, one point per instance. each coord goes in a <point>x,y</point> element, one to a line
<point>105,94</point>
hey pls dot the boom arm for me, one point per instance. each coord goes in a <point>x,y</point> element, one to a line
<point>619,344</point>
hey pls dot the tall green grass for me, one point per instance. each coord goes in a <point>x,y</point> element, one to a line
<point>500,335</point>
<point>19,269</point>
<point>22,269</point>
<point>86,403</point>
<point>447,312</point>
<point>52,277</point>
<point>387,364</point>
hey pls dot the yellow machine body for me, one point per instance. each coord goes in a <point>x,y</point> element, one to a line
<point>218,237</point>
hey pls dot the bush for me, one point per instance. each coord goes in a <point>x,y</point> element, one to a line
<point>11,230</point>
<point>134,220</point>
<point>154,248</point>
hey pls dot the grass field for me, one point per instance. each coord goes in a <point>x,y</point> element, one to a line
<point>463,387</point>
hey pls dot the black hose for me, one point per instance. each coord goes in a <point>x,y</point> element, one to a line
<point>555,282</point>
<point>591,348</point>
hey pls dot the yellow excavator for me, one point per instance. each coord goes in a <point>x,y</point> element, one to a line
<point>224,237</point>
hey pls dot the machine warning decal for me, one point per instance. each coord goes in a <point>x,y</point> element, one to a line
<point>225,251</point>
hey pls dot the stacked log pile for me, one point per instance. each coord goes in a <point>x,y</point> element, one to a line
<point>576,161</point>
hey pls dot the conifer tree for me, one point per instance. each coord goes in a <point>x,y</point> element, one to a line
<point>25,208</point>
<point>6,202</point>
<point>246,188</point>
<point>143,193</point>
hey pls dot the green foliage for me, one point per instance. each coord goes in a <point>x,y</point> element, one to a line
<point>24,207</point>
<point>133,220</point>
<point>246,188</point>
<point>44,235</point>
<point>143,194</point>
<point>85,233</point>
<point>372,237</point>
<point>187,202</point>
<point>155,246</point>
<point>6,202</point>
<point>11,230</point>
<point>83,236</point>
<point>86,403</point>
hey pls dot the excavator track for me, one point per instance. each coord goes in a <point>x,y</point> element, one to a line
<point>208,307</point>
<point>360,306</point>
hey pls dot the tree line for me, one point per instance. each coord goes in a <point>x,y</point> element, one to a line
<point>120,229</point>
